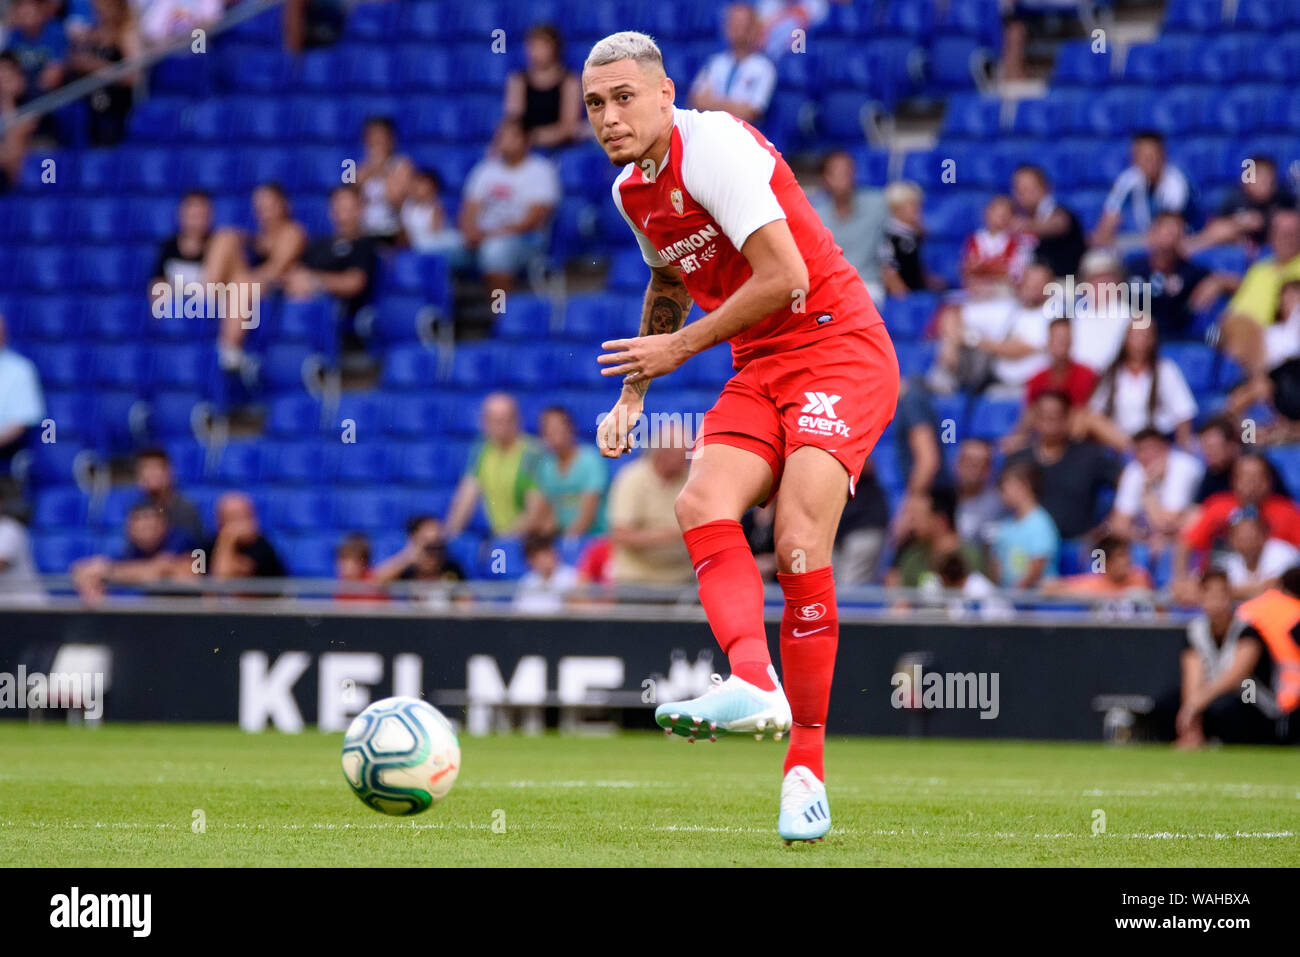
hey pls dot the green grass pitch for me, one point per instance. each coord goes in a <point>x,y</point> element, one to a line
<point>127,796</point>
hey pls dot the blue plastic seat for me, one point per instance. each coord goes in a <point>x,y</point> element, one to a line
<point>62,366</point>
<point>311,462</point>
<point>414,416</point>
<point>369,461</point>
<point>55,553</point>
<point>410,367</point>
<point>1078,65</point>
<point>993,418</point>
<point>430,463</point>
<point>1196,360</point>
<point>171,413</point>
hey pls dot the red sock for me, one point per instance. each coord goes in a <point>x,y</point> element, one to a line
<point>810,633</point>
<point>731,591</point>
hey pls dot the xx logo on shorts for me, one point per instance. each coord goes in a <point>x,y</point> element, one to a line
<point>819,403</point>
<point>819,417</point>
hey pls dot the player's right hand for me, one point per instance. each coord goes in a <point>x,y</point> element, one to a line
<point>613,433</point>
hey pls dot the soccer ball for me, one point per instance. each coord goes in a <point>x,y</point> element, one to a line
<point>401,756</point>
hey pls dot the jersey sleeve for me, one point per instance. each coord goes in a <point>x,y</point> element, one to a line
<point>729,173</point>
<point>648,251</point>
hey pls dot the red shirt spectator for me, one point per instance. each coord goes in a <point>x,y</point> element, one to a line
<point>593,563</point>
<point>1075,380</point>
<point>1279,512</point>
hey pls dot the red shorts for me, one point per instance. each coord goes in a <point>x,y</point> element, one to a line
<point>837,394</point>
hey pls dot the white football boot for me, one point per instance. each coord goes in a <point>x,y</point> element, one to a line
<point>805,810</point>
<point>733,705</point>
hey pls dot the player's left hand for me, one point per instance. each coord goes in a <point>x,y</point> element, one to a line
<point>645,357</point>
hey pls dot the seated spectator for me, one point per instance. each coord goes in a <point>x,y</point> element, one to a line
<point>1116,575</point>
<point>933,534</point>
<point>240,550</point>
<point>342,266</point>
<point>502,472</point>
<point>1074,380</point>
<point>1105,308</point>
<point>181,257</point>
<point>1074,473</point>
<point>423,558</point>
<point>920,461</point>
<point>647,542</point>
<point>265,257</point>
<point>1247,215</point>
<point>1025,543</point>
<point>780,19</point>
<point>545,97</point>
<point>1252,485</point>
<point>860,537</point>
<point>19,578</point>
<point>571,477</point>
<point>352,564</point>
<point>972,594</point>
<point>15,139</point>
<point>1157,491</point>
<point>855,216</point>
<point>309,24</point>
<point>978,502</point>
<point>384,178</point>
<point>996,342</point>
<point>22,404</point>
<point>424,220</point>
<point>1220,447</point>
<point>1055,230</point>
<point>157,484</point>
<point>740,79</point>
<point>994,258</point>
<point>1150,186</point>
<point>1179,287</point>
<point>1256,561</point>
<point>1256,306</point>
<point>114,36</point>
<point>165,20</point>
<point>153,549</point>
<point>508,201</point>
<point>900,251</point>
<point>38,43</point>
<point>1141,390</point>
<point>1267,617</point>
<point>548,582</point>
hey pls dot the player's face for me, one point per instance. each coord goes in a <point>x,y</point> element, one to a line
<point>629,110</point>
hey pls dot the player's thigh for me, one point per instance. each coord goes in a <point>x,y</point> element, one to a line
<point>723,483</point>
<point>814,490</point>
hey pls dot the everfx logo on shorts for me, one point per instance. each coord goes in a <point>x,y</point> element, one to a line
<point>819,415</point>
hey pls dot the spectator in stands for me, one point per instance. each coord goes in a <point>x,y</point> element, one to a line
<point>1025,543</point>
<point>266,257</point>
<point>1277,387</point>
<point>1113,573</point>
<point>647,541</point>
<point>424,556</point>
<point>384,178</point>
<point>14,141</point>
<point>38,43</point>
<point>780,19</point>
<point>1058,238</point>
<point>1105,307</point>
<point>508,201</point>
<point>855,216</point>
<point>548,582</point>
<point>978,502</point>
<point>352,564</point>
<point>152,551</point>
<point>933,535</point>
<point>994,257</point>
<point>1074,473</point>
<point>502,472</point>
<point>1157,491</point>
<point>157,484</point>
<point>312,23</point>
<point>181,257</point>
<point>22,404</point>
<point>1072,379</point>
<point>1252,485</point>
<point>1151,185</point>
<point>342,266</point>
<point>901,268</point>
<point>164,20</point>
<point>593,561</point>
<point>240,550</point>
<point>1255,561</point>
<point>1141,390</point>
<point>1179,287</point>
<point>545,97</point>
<point>571,477</point>
<point>19,579</point>
<point>1220,447</point>
<point>995,342</point>
<point>1246,216</point>
<point>920,460</point>
<point>972,592</point>
<point>424,219</point>
<point>740,79</point>
<point>1259,297</point>
<point>861,536</point>
<point>113,37</point>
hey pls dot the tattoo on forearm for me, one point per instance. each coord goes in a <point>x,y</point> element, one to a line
<point>666,305</point>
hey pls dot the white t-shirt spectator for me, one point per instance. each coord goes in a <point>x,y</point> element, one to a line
<point>751,80</point>
<point>545,596</point>
<point>1276,558</point>
<point>1175,403</point>
<point>505,193</point>
<point>1172,194</point>
<point>1097,333</point>
<point>163,20</point>
<point>1176,490</point>
<point>21,399</point>
<point>998,320</point>
<point>18,576</point>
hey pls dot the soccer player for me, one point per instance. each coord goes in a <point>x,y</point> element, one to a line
<point>722,222</point>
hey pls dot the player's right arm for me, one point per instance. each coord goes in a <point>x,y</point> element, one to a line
<point>663,312</point>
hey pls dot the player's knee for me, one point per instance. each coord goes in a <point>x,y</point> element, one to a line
<point>692,507</point>
<point>801,548</point>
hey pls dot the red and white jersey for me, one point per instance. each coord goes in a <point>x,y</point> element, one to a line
<point>720,182</point>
